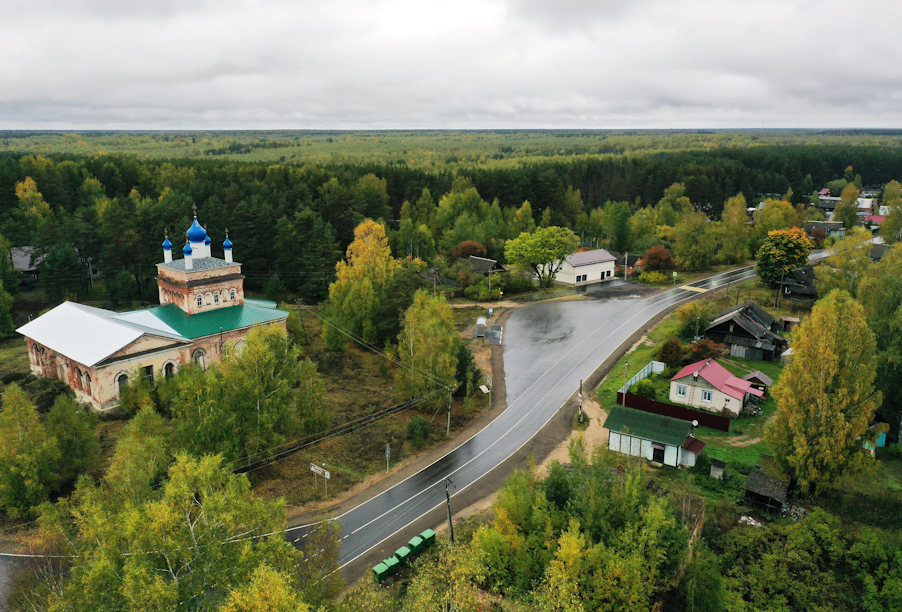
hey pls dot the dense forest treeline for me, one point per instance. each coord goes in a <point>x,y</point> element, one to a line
<point>116,208</point>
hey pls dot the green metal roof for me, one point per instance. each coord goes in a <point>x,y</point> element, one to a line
<point>212,321</point>
<point>648,426</point>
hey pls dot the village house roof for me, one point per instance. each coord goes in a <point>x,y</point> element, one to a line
<point>481,265</point>
<point>879,250</point>
<point>827,226</point>
<point>759,376</point>
<point>631,258</point>
<point>90,335</point>
<point>800,281</point>
<point>648,426</point>
<point>765,479</point>
<point>587,258</point>
<point>720,378</point>
<point>756,322</point>
<point>21,257</point>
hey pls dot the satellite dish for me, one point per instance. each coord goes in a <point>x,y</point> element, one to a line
<point>695,423</point>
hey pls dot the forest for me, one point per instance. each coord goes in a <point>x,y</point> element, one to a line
<point>353,222</point>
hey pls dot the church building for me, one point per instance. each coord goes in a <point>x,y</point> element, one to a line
<point>202,310</point>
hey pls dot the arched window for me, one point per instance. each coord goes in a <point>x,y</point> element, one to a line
<point>169,370</point>
<point>200,358</point>
<point>87,383</point>
<point>122,383</point>
<point>208,298</point>
<point>200,300</point>
<point>232,295</point>
<point>215,297</point>
<point>78,379</point>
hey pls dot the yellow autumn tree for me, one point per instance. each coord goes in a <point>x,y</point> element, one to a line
<point>826,396</point>
<point>359,285</point>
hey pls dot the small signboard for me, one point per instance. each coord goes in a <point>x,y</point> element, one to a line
<point>674,274</point>
<point>491,311</point>
<point>483,388</point>
<point>320,470</point>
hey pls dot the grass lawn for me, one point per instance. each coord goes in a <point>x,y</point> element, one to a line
<point>873,498</point>
<point>13,356</point>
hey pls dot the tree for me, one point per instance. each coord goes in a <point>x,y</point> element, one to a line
<point>308,250</point>
<point>355,295</point>
<point>694,241</point>
<point>75,429</point>
<point>543,251</point>
<point>617,217</point>
<point>693,318</point>
<point>774,215</point>
<point>259,397</point>
<point>671,351</point>
<point>467,248</point>
<point>826,396</point>
<point>427,347</point>
<point>7,325</point>
<point>891,228</point>
<point>268,591</point>
<point>197,538</point>
<point>782,251</point>
<point>734,231</point>
<point>880,293</point>
<point>29,456</point>
<point>847,264</point>
<point>847,209</point>
<point>658,257</point>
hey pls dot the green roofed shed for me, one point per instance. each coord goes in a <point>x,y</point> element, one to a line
<point>648,426</point>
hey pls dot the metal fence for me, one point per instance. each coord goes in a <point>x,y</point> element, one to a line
<point>652,367</point>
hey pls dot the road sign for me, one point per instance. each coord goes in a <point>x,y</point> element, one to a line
<point>715,283</point>
<point>674,274</point>
<point>320,470</point>
<point>483,388</point>
<point>491,310</point>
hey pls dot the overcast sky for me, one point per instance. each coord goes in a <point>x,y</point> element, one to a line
<point>350,64</point>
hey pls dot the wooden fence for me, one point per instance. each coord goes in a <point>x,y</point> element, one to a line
<point>714,421</point>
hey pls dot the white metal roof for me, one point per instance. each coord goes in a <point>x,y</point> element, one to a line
<point>147,319</point>
<point>89,335</point>
<point>586,258</point>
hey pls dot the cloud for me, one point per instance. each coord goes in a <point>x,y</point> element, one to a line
<point>440,64</point>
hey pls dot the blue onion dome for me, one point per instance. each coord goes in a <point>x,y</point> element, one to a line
<point>167,246</point>
<point>196,233</point>
<point>207,240</point>
<point>227,245</point>
<point>187,250</point>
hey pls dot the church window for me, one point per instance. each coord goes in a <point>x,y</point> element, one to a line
<point>232,294</point>
<point>215,297</point>
<point>87,384</point>
<point>200,300</point>
<point>169,370</point>
<point>199,358</point>
<point>78,378</point>
<point>208,298</point>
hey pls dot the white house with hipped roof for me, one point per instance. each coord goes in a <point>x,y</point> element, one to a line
<point>586,267</point>
<point>202,310</point>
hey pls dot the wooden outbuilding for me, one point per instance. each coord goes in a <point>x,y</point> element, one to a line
<point>766,488</point>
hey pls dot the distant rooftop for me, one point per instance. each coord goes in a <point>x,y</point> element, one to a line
<point>586,258</point>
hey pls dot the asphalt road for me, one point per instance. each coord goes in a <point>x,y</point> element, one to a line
<point>548,348</point>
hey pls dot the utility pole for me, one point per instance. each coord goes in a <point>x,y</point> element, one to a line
<point>697,321</point>
<point>387,455</point>
<point>448,485</point>
<point>625,370</point>
<point>626,261</point>
<point>448,433</point>
<point>580,400</point>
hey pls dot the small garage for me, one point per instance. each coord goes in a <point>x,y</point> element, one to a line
<point>652,436</point>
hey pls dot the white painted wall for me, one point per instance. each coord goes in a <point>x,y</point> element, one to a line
<point>594,272</point>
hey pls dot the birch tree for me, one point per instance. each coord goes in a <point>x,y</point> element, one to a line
<point>826,396</point>
<point>427,347</point>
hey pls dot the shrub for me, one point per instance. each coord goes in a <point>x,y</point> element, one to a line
<point>671,351</point>
<point>517,283</point>
<point>653,278</point>
<point>704,348</point>
<point>417,430</point>
<point>489,295</point>
<point>644,388</point>
<point>658,257</point>
<point>467,248</point>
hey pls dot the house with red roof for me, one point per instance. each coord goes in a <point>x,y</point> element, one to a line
<point>710,386</point>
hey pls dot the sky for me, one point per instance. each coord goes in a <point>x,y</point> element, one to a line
<point>449,64</point>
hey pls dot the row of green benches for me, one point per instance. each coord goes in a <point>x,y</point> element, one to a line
<point>404,555</point>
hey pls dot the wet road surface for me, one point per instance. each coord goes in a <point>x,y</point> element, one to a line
<point>548,348</point>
